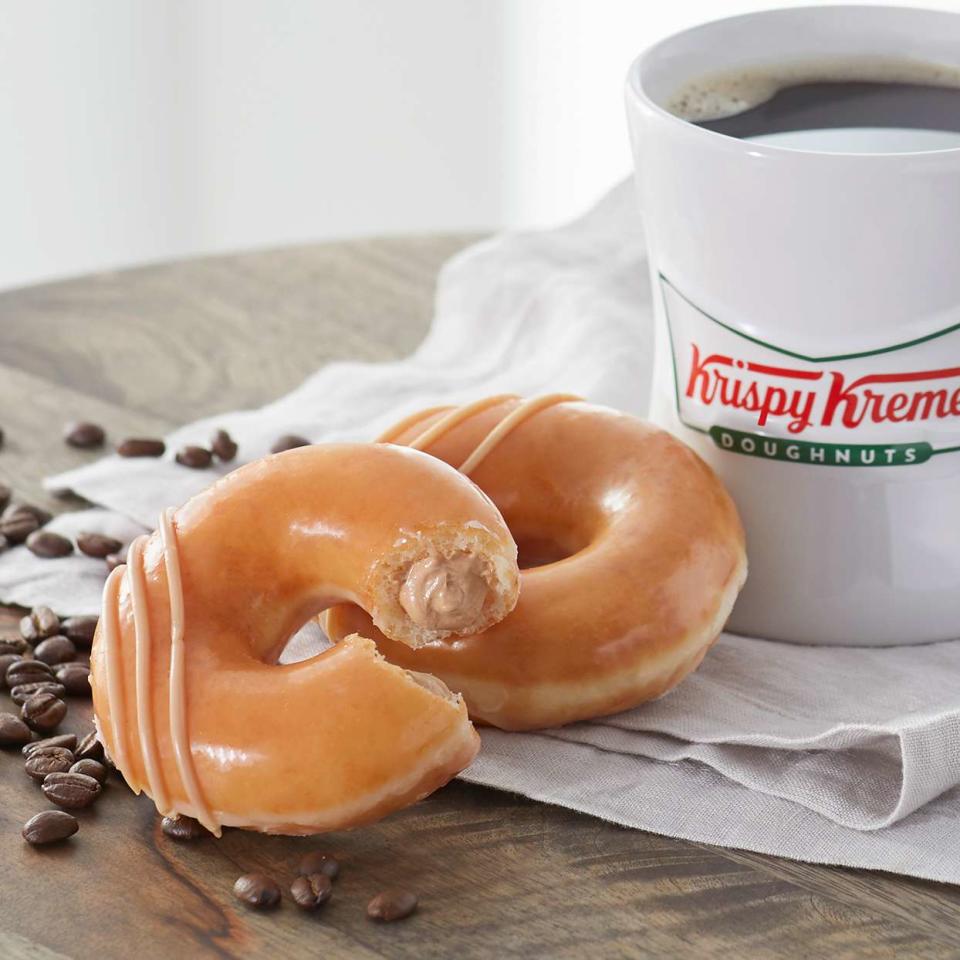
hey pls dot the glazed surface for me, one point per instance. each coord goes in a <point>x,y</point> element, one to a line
<point>189,698</point>
<point>634,555</point>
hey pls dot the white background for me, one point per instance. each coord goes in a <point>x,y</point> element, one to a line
<point>138,130</point>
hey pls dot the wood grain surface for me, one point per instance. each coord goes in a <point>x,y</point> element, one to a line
<point>498,876</point>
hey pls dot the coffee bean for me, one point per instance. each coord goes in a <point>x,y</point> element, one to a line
<point>40,623</point>
<point>41,763</point>
<point>50,826</point>
<point>48,623</point>
<point>91,768</point>
<point>48,545</point>
<point>22,693</point>
<point>13,731</point>
<point>311,892</point>
<point>257,891</point>
<point>84,435</point>
<point>27,671</point>
<point>98,545</point>
<point>390,905</point>
<point>5,494</point>
<point>72,791</point>
<point>222,444</point>
<point>183,828</point>
<point>68,741</point>
<point>16,529</point>
<point>289,441</point>
<point>90,748</point>
<point>6,659</point>
<point>196,457</point>
<point>80,630</point>
<point>15,645</point>
<point>141,447</point>
<point>55,650</point>
<point>14,510</point>
<point>318,862</point>
<point>43,712</point>
<point>75,677</point>
<point>115,559</point>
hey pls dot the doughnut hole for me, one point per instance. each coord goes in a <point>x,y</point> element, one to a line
<point>302,632</point>
<point>541,551</point>
<point>539,545</point>
<point>309,641</point>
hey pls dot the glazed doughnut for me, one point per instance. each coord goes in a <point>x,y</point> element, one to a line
<point>632,552</point>
<point>188,697</point>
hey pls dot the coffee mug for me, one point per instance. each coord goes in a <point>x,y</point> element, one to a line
<point>807,310</point>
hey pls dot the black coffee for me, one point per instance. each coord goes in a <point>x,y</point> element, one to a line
<point>827,105</point>
<point>858,105</point>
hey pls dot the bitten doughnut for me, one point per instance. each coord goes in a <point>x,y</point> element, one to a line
<point>188,697</point>
<point>633,555</point>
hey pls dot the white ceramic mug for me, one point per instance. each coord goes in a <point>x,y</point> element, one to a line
<point>808,334</point>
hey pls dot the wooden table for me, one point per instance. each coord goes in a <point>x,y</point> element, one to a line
<point>499,876</point>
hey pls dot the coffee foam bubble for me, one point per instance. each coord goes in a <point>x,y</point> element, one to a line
<point>729,92</point>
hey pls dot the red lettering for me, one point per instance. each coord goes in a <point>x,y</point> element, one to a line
<point>837,397</point>
<point>895,403</point>
<point>921,406</point>
<point>746,386</point>
<point>699,375</point>
<point>954,404</point>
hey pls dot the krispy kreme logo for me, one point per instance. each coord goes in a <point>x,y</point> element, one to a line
<point>877,408</point>
<point>805,398</point>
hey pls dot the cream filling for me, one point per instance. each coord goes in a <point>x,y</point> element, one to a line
<point>444,593</point>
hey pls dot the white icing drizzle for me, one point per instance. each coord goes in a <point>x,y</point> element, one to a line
<point>457,415</point>
<point>179,726</point>
<point>390,435</point>
<point>141,625</point>
<point>509,423</point>
<point>110,635</point>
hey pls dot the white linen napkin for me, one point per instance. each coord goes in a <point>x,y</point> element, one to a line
<point>835,755</point>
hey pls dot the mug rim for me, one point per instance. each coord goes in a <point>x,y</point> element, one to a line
<point>636,90</point>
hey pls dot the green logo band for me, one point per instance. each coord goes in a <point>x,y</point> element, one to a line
<point>822,454</point>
